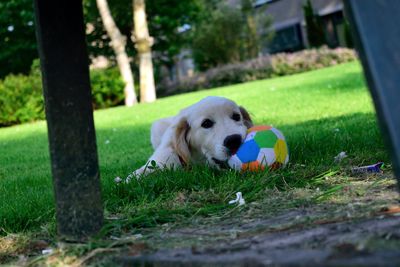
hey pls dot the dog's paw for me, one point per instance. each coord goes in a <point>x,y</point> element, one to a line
<point>139,173</point>
<point>135,175</point>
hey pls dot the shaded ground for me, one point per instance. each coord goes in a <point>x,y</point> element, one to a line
<point>331,244</point>
<point>356,225</point>
<point>363,232</point>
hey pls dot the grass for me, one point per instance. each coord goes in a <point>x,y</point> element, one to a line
<point>321,112</point>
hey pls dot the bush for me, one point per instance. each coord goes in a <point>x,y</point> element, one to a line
<point>290,63</point>
<point>21,97</point>
<point>107,88</point>
<point>260,68</point>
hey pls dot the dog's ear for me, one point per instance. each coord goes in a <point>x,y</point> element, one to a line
<point>180,142</point>
<point>246,117</point>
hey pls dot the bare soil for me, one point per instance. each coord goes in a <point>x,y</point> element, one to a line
<point>358,226</point>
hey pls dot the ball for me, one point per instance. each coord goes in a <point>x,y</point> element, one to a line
<point>264,148</point>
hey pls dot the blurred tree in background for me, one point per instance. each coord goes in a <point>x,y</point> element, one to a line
<point>252,43</point>
<point>217,38</point>
<point>315,30</point>
<point>118,43</point>
<point>165,19</point>
<point>17,37</point>
<point>226,33</point>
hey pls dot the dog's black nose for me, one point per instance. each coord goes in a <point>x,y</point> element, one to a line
<point>233,142</point>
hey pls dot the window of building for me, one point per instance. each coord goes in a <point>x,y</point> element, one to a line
<point>288,39</point>
<point>259,3</point>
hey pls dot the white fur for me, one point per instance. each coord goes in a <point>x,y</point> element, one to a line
<point>203,144</point>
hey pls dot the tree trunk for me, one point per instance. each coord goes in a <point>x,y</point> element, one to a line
<point>143,42</point>
<point>118,42</point>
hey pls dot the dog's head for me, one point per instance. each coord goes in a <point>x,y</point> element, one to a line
<point>211,130</point>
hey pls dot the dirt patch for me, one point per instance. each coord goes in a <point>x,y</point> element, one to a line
<point>359,225</point>
<point>361,242</point>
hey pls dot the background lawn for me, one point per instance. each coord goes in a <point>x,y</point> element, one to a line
<point>321,113</point>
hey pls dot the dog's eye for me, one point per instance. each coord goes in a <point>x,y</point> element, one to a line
<point>207,123</point>
<point>236,117</point>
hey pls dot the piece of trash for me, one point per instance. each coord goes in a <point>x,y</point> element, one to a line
<point>374,168</point>
<point>340,156</point>
<point>129,237</point>
<point>239,199</point>
<point>137,236</point>
<point>117,180</point>
<point>336,130</point>
<point>394,210</point>
<point>107,142</point>
<point>47,251</point>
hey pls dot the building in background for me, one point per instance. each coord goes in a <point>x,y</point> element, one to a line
<point>288,23</point>
<point>289,27</point>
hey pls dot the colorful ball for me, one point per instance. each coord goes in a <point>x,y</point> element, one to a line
<point>264,148</point>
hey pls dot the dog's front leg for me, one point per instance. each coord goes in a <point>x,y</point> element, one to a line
<point>163,158</point>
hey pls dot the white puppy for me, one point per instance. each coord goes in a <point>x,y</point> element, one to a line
<point>208,132</point>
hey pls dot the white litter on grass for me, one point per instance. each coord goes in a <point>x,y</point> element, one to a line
<point>117,180</point>
<point>340,156</point>
<point>131,237</point>
<point>239,199</point>
<point>107,142</point>
<point>47,251</point>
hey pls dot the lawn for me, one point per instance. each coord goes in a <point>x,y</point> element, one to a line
<point>322,113</point>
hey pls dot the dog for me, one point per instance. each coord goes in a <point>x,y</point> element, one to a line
<point>207,132</point>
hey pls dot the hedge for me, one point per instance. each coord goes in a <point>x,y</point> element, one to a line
<point>21,97</point>
<point>260,68</point>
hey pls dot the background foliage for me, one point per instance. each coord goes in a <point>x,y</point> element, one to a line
<point>228,34</point>
<point>18,46</point>
<point>17,37</point>
<point>21,96</point>
<point>315,32</point>
<point>165,17</point>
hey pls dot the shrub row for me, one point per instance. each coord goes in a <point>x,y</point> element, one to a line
<point>260,68</point>
<point>21,97</point>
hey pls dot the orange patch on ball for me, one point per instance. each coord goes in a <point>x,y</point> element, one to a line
<point>259,128</point>
<point>253,166</point>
